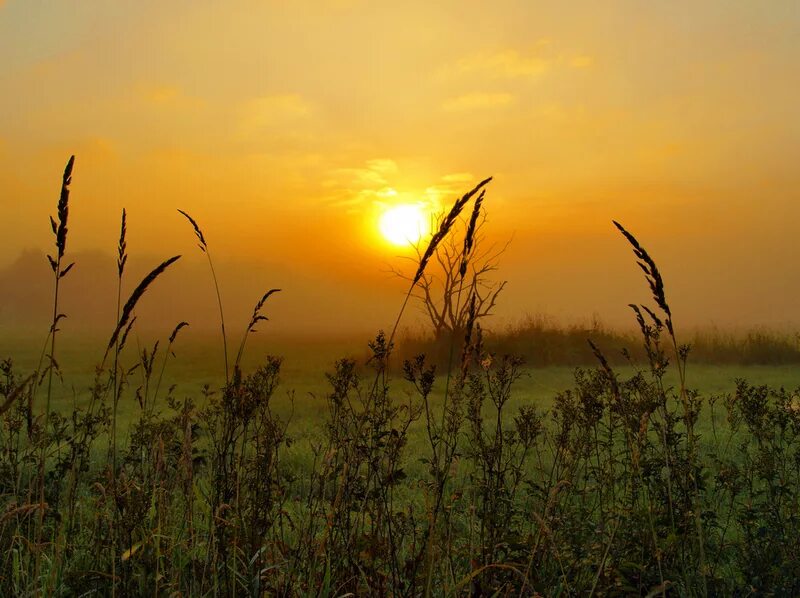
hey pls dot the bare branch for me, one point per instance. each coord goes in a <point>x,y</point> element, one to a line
<point>437,290</point>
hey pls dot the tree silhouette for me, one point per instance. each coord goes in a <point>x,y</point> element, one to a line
<point>442,295</point>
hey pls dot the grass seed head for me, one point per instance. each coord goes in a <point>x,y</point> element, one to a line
<point>447,223</point>
<point>175,332</point>
<point>63,208</point>
<point>257,317</point>
<point>653,276</point>
<point>122,246</point>
<point>202,245</point>
<point>137,294</point>
<point>469,239</point>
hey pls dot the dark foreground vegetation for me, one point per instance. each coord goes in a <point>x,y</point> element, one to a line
<point>625,486</point>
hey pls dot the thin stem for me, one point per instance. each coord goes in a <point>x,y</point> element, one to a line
<point>115,401</point>
<point>43,455</point>
<point>221,314</point>
<point>681,362</point>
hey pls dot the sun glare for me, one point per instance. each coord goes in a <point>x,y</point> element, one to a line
<point>404,224</point>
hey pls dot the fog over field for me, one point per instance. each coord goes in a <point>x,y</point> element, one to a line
<point>553,278</point>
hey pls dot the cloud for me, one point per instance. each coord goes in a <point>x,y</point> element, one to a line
<point>458,177</point>
<point>273,110</point>
<point>161,94</point>
<point>169,96</point>
<point>381,182</point>
<point>373,176</point>
<point>357,186</point>
<point>506,64</point>
<point>382,165</point>
<point>478,101</point>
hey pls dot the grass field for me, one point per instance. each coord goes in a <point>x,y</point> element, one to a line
<point>303,402</point>
<point>344,469</point>
<point>303,382</point>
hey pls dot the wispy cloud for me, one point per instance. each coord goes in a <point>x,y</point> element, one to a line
<point>478,101</point>
<point>373,176</point>
<point>381,182</point>
<point>382,165</point>
<point>458,177</point>
<point>505,64</point>
<point>161,94</point>
<point>355,187</point>
<point>169,96</point>
<point>273,110</point>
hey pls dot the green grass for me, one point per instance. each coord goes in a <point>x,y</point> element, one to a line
<point>304,384</point>
<point>301,397</point>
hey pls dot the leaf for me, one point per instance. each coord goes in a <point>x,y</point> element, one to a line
<point>131,551</point>
<point>14,394</point>
<point>136,295</point>
<point>395,477</point>
<point>65,270</point>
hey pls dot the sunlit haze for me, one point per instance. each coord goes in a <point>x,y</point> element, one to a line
<point>405,224</point>
<point>312,140</point>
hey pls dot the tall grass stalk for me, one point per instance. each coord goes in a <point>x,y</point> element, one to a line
<point>469,243</point>
<point>122,258</point>
<point>59,271</point>
<point>446,224</point>
<point>203,245</point>
<point>251,326</point>
<point>125,320</point>
<point>656,284</point>
<point>167,354</point>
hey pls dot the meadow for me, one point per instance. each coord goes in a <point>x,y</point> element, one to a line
<point>304,386</point>
<point>367,469</point>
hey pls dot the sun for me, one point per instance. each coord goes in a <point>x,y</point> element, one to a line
<point>404,224</point>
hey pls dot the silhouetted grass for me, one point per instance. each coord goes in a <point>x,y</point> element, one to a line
<point>428,483</point>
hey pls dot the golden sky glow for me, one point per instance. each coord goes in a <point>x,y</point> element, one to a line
<point>282,127</point>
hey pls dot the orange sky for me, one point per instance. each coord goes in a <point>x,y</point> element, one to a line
<point>282,126</point>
